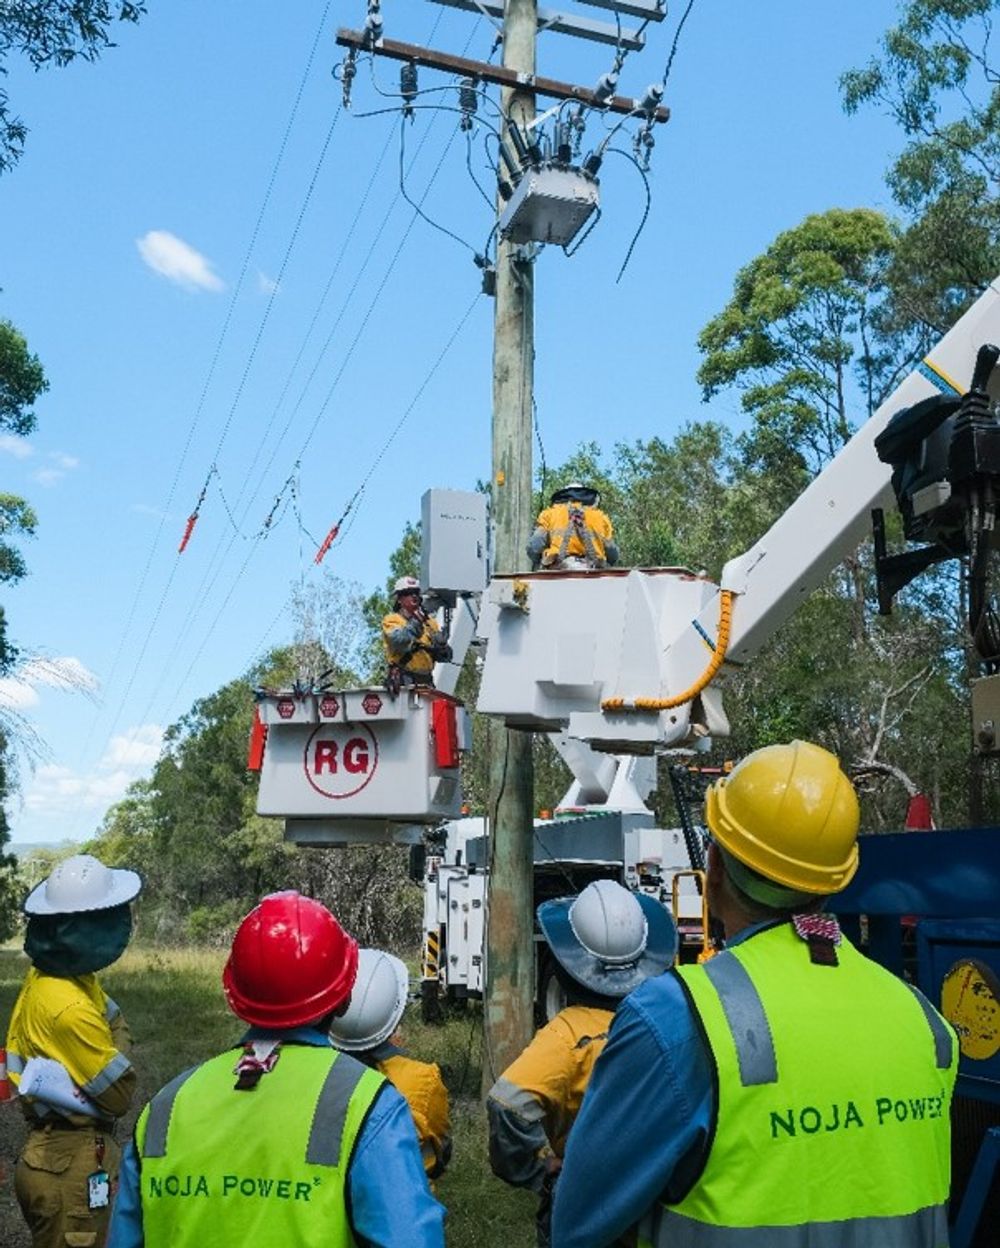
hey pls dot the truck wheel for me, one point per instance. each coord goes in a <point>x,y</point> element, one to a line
<point>551,997</point>
<point>430,1003</point>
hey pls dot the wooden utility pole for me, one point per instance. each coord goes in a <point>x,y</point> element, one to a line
<point>510,944</point>
<point>510,965</point>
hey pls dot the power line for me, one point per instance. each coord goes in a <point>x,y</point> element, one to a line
<point>456,332</point>
<point>271,298</point>
<point>165,515</point>
<point>215,564</point>
<point>212,573</point>
<point>312,430</point>
<point>213,468</point>
<point>617,151</point>
<point>322,300</point>
<point>411,406</point>
<point>673,46</point>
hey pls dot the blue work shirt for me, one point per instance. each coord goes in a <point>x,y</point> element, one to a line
<point>390,1202</point>
<point>645,1120</point>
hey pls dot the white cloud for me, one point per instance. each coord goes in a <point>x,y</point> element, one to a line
<point>178,261</point>
<point>66,674</point>
<point>138,749</point>
<point>55,791</point>
<point>59,463</point>
<point>15,695</point>
<point>20,448</point>
<point>144,509</point>
<point>266,284</point>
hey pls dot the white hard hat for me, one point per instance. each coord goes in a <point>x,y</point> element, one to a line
<point>378,1000</point>
<point>82,883</point>
<point>609,939</point>
<point>608,921</point>
<point>406,585</point>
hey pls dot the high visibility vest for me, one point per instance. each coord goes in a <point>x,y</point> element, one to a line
<point>833,1094</point>
<point>257,1169</point>
<point>564,539</point>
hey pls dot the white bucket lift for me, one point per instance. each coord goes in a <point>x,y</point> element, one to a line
<point>560,644</point>
<point>626,660</point>
<point>359,767</point>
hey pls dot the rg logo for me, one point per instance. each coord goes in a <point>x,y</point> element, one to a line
<point>340,759</point>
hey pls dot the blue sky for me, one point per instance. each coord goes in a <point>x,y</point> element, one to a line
<point>129,222</point>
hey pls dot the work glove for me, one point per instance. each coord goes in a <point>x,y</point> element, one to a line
<point>440,651</point>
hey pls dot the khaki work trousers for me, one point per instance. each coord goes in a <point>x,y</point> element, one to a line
<point>50,1182</point>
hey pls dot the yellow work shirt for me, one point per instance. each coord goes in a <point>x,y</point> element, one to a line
<point>565,540</point>
<point>421,1086</point>
<point>75,1022</point>
<point>398,640</point>
<point>534,1103</point>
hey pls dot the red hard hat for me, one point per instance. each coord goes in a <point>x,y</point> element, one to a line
<point>291,963</point>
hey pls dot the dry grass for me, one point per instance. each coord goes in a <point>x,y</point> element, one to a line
<point>173,1001</point>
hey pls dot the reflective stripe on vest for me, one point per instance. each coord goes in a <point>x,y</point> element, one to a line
<point>266,1166</point>
<point>909,1230</point>
<point>747,1021</point>
<point>564,539</point>
<point>160,1108</point>
<point>326,1135</point>
<point>942,1036</point>
<point>832,1107</point>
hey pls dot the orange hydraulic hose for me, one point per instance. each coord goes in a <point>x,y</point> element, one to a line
<point>718,658</point>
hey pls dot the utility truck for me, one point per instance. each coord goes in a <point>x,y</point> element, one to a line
<point>578,843</point>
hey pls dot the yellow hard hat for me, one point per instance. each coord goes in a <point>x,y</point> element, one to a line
<point>789,813</point>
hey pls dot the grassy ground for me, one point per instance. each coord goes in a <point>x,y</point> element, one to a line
<point>175,1008</point>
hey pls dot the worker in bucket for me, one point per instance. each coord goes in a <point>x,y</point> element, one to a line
<point>412,640</point>
<point>606,942</point>
<point>786,1092</point>
<point>369,1031</point>
<point>67,1048</point>
<point>282,1139</point>
<point>572,533</point>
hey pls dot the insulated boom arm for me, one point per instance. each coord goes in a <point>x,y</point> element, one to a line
<point>830,518</point>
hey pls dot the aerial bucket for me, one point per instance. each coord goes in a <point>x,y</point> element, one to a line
<point>357,766</point>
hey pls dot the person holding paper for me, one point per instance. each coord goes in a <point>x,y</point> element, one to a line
<point>67,1051</point>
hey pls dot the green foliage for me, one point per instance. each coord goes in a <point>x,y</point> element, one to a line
<point>331,634</point>
<point>809,339</point>
<point>17,519</point>
<point>937,75</point>
<point>53,32</point>
<point>798,339</point>
<point>201,801</point>
<point>22,380</point>
<point>205,855</point>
